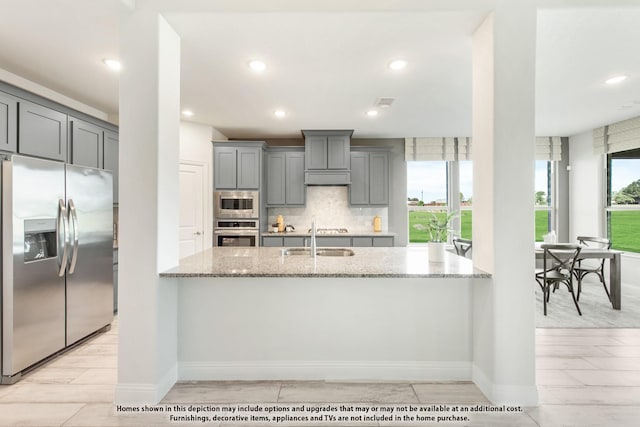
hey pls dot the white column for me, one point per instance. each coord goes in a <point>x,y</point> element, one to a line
<point>503,211</point>
<point>149,216</point>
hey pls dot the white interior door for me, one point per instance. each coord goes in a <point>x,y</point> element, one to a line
<point>192,195</point>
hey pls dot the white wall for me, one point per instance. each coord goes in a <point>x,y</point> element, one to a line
<point>586,180</point>
<point>45,92</point>
<point>587,200</point>
<point>148,213</point>
<point>372,329</point>
<point>196,148</point>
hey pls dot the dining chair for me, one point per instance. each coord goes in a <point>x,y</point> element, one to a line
<point>557,268</point>
<point>595,266</point>
<point>462,246</point>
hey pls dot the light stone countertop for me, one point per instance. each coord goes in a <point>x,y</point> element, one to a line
<point>399,262</point>
<point>305,233</point>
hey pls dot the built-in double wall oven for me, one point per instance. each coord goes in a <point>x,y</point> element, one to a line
<point>236,232</point>
<point>237,218</point>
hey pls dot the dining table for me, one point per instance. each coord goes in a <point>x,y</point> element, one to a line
<point>614,259</point>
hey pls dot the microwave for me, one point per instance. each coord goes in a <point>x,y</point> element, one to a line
<point>236,204</point>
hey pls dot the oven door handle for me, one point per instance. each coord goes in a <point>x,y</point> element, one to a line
<point>232,232</point>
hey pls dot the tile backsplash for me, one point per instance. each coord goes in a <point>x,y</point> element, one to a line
<point>330,207</point>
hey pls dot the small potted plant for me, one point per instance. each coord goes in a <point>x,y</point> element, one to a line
<point>439,227</point>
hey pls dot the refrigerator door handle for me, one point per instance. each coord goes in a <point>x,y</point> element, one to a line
<point>62,225</point>
<point>74,220</point>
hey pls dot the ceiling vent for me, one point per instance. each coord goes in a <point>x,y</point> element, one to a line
<point>383,102</point>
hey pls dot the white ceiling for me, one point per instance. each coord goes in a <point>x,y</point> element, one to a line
<point>327,69</point>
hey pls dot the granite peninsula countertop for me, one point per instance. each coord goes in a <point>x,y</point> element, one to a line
<point>394,262</point>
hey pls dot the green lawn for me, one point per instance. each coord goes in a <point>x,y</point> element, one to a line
<point>625,230</point>
<point>421,235</point>
<point>417,235</point>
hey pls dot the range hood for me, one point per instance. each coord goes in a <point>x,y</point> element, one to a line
<point>327,157</point>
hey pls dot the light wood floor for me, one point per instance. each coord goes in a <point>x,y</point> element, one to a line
<point>586,377</point>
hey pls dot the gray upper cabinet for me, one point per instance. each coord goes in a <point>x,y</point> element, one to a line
<point>379,178</point>
<point>316,152</point>
<point>237,167</point>
<point>248,168</point>
<point>42,132</point>
<point>225,168</point>
<point>85,144</point>
<point>338,148</point>
<point>295,189</point>
<point>110,159</point>
<point>8,122</point>
<point>359,188</point>
<point>285,178</point>
<point>276,179</point>
<point>327,149</point>
<point>369,178</point>
<point>327,158</point>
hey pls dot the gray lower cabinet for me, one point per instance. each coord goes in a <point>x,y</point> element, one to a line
<point>42,132</point>
<point>362,242</point>
<point>385,241</point>
<point>8,122</point>
<point>237,168</point>
<point>295,241</point>
<point>375,241</point>
<point>328,241</point>
<point>272,241</point>
<point>331,241</point>
<point>369,178</point>
<point>285,178</point>
<point>85,144</point>
<point>110,159</point>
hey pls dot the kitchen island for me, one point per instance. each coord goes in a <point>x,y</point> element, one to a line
<point>381,314</point>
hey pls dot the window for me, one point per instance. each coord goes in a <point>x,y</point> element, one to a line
<point>623,200</point>
<point>427,194</point>
<point>431,186</point>
<point>466,198</point>
<point>543,198</point>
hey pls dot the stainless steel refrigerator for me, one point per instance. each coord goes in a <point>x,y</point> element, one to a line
<point>57,258</point>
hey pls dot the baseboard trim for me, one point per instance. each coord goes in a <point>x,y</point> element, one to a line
<point>504,394</point>
<point>146,394</point>
<point>322,370</point>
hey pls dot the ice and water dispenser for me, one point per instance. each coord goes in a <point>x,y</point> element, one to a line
<point>40,239</point>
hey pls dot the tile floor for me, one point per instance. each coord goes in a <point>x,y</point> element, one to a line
<point>586,377</point>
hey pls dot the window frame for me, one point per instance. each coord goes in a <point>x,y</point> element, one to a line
<point>608,207</point>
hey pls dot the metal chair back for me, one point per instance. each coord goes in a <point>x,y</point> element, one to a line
<point>462,246</point>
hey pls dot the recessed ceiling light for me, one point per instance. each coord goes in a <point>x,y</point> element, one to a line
<point>372,113</point>
<point>398,64</point>
<point>187,113</point>
<point>114,64</point>
<point>257,66</point>
<point>279,114</point>
<point>615,80</point>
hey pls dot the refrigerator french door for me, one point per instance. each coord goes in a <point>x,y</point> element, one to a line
<point>57,282</point>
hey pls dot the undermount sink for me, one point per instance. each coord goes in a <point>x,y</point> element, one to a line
<point>319,251</point>
<point>334,252</point>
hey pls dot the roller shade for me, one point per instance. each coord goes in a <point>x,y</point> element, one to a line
<point>459,148</point>
<point>620,136</point>
<point>548,148</point>
<point>439,148</point>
